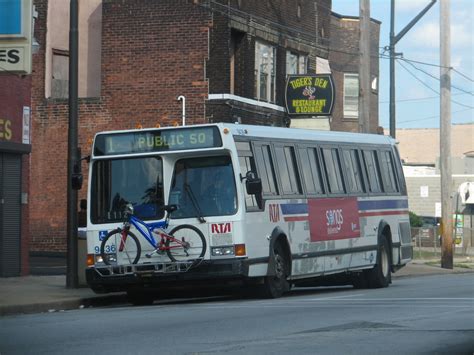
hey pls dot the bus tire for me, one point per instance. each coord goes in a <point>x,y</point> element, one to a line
<point>274,286</point>
<point>380,276</point>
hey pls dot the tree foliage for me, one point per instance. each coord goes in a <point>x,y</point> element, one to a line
<point>415,220</point>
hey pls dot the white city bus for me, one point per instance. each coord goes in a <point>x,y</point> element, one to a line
<point>303,207</point>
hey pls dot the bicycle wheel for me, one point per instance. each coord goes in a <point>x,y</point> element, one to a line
<point>120,248</point>
<point>190,243</point>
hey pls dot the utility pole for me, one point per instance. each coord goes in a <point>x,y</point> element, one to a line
<point>72,151</point>
<point>392,69</point>
<point>393,40</point>
<point>445,137</point>
<point>364,66</point>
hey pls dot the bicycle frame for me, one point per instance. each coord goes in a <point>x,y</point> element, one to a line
<point>146,230</point>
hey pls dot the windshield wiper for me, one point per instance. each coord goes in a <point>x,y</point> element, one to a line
<point>190,192</point>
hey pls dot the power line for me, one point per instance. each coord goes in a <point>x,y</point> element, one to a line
<point>421,98</point>
<point>430,88</point>
<point>435,116</point>
<point>227,9</point>
<point>436,78</point>
<point>463,75</point>
<point>416,99</point>
<point>385,56</point>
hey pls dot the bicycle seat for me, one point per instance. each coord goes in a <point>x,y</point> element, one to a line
<point>170,208</point>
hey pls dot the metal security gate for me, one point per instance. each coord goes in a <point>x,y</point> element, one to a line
<point>10,214</point>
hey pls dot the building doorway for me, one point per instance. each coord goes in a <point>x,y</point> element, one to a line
<point>10,214</point>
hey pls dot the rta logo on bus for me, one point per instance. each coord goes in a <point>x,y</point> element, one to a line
<point>221,228</point>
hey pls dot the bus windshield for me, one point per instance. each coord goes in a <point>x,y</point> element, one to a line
<point>203,187</point>
<point>117,182</point>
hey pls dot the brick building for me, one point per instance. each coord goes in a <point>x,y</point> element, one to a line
<point>14,173</point>
<point>344,61</point>
<point>229,59</point>
<point>15,91</point>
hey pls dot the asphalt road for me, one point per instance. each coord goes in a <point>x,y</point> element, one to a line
<point>419,315</point>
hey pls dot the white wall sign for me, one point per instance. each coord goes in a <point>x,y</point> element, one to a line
<point>26,124</point>
<point>438,209</point>
<point>424,191</point>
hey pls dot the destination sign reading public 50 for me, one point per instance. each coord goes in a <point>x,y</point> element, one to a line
<point>157,140</point>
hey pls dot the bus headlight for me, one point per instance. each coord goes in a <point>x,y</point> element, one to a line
<point>222,251</point>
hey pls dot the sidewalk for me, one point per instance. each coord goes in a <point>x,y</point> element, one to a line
<point>34,294</point>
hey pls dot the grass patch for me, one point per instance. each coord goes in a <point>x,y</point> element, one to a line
<point>463,265</point>
<point>425,255</point>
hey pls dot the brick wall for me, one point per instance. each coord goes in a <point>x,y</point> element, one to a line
<point>237,25</point>
<point>344,58</point>
<point>14,94</point>
<point>152,52</point>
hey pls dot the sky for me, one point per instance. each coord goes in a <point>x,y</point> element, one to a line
<point>416,91</point>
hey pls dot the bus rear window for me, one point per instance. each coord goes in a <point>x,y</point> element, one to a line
<point>117,182</point>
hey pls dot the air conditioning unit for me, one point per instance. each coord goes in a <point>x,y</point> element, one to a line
<point>466,192</point>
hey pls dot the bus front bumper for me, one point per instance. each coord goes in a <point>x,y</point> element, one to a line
<point>103,280</point>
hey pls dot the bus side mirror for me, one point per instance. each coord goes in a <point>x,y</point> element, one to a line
<point>253,184</point>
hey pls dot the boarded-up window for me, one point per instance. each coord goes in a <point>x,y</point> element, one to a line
<point>60,79</point>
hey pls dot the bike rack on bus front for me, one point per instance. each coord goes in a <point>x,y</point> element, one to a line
<point>148,268</point>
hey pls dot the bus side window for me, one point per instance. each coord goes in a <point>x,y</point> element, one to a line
<point>399,169</point>
<point>288,170</point>
<point>311,171</point>
<point>388,172</point>
<point>266,169</point>
<point>373,171</point>
<point>332,165</point>
<point>355,183</point>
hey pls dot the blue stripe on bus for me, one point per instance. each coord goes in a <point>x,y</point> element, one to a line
<point>294,208</point>
<point>382,205</point>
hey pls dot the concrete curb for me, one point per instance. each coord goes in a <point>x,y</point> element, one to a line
<point>64,305</point>
<point>435,273</point>
<point>70,302</point>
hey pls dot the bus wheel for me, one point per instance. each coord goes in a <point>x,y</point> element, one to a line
<point>276,285</point>
<point>380,275</point>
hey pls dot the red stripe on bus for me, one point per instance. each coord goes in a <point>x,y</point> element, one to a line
<point>381,213</point>
<point>295,218</point>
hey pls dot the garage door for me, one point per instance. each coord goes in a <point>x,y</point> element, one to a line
<point>10,190</point>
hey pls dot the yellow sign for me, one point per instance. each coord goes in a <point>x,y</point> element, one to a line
<point>309,95</point>
<point>5,129</point>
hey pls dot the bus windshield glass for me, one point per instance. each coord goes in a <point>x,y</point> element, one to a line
<point>117,182</point>
<point>203,187</point>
